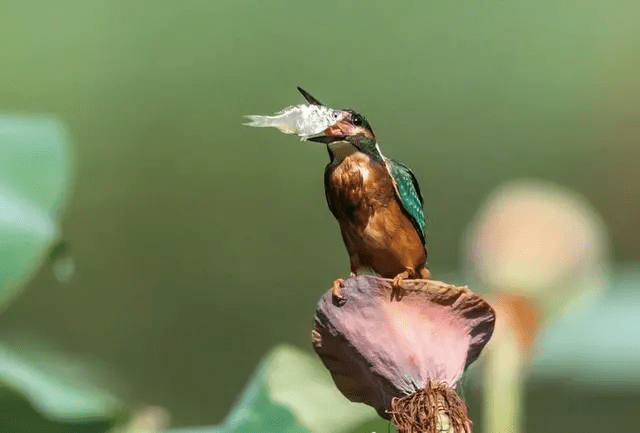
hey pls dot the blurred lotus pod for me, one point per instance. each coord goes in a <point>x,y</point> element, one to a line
<point>404,358</point>
<point>541,241</point>
<point>148,419</point>
<point>540,249</point>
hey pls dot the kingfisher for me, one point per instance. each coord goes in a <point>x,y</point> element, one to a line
<point>376,200</point>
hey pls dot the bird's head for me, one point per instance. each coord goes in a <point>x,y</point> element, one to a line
<point>350,125</point>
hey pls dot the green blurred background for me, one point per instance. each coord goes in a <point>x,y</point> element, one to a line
<point>199,244</point>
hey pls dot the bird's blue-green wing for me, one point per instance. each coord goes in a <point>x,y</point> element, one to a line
<point>408,191</point>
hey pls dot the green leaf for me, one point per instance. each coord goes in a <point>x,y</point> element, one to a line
<point>584,345</point>
<point>291,392</point>
<point>51,393</point>
<point>34,178</point>
<point>19,416</point>
<point>39,391</point>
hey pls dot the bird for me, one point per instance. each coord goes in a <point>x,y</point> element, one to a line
<point>376,200</point>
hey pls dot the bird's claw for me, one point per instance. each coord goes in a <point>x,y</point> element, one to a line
<point>336,291</point>
<point>397,291</point>
<point>425,274</point>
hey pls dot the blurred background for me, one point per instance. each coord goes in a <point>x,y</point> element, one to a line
<point>199,244</point>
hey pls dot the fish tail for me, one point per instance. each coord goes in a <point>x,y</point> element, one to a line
<point>260,121</point>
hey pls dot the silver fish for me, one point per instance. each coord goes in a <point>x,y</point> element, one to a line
<point>302,120</point>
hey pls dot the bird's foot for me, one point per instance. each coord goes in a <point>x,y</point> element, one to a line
<point>425,274</point>
<point>336,291</point>
<point>397,290</point>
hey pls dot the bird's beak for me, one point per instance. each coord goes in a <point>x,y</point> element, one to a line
<point>321,138</point>
<point>310,99</point>
<point>339,131</point>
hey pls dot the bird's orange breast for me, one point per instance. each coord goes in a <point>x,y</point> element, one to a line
<point>377,232</point>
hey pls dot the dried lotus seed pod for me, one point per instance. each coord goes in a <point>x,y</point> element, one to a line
<point>404,358</point>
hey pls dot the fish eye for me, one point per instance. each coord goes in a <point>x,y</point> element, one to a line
<point>357,119</point>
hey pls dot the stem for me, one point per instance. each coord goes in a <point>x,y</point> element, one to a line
<point>504,386</point>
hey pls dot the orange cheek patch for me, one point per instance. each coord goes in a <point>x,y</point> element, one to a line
<point>334,130</point>
<point>348,130</point>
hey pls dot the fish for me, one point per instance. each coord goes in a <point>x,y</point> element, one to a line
<point>303,120</point>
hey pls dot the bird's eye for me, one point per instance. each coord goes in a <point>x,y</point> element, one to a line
<point>357,120</point>
<point>335,115</point>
